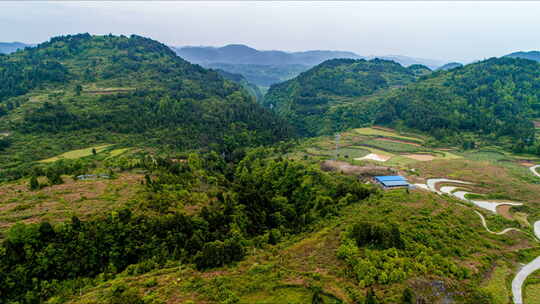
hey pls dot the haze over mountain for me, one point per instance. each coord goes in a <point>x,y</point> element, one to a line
<point>265,68</point>
<point>450,65</point>
<point>408,61</point>
<point>10,47</point>
<point>243,54</point>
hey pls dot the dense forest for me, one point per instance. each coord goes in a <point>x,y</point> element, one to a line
<point>251,88</point>
<point>128,89</point>
<point>494,98</point>
<point>306,99</point>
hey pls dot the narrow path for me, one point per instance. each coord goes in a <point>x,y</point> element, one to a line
<point>533,170</point>
<point>525,271</point>
<point>521,276</point>
<point>492,232</point>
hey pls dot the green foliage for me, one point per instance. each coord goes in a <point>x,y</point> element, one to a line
<point>251,198</point>
<point>494,98</point>
<point>163,101</point>
<point>306,99</point>
<point>382,236</point>
<point>121,294</point>
<point>33,184</point>
<point>408,296</point>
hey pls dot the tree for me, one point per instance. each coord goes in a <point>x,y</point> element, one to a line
<point>317,296</point>
<point>370,297</point>
<point>78,90</point>
<point>408,296</point>
<point>34,184</point>
<point>94,152</point>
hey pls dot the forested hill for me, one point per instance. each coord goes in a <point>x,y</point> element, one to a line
<point>532,55</point>
<point>241,80</point>
<point>450,65</point>
<point>309,100</point>
<point>79,89</point>
<point>494,98</point>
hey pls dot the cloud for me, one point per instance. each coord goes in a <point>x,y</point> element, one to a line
<point>461,31</point>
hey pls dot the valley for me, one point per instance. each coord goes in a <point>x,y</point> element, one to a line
<point>130,175</point>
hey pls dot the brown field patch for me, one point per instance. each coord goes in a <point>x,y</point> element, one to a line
<point>59,202</point>
<point>527,163</point>
<point>536,123</point>
<point>504,210</point>
<point>420,157</point>
<point>344,167</point>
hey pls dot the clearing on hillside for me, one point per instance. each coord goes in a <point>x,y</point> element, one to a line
<point>74,154</point>
<point>59,202</point>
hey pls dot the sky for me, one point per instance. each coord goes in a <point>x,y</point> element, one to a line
<point>449,31</point>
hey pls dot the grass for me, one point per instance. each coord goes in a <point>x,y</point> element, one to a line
<point>497,285</point>
<point>116,152</point>
<point>58,203</point>
<point>74,154</point>
<point>384,133</point>
<point>531,292</point>
<point>393,146</point>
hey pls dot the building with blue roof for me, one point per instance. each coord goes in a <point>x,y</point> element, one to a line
<point>392,181</point>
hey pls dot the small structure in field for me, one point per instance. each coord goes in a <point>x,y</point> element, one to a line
<point>92,176</point>
<point>392,181</point>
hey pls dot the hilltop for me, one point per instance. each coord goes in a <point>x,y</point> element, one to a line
<point>78,90</point>
<point>309,100</point>
<point>531,55</point>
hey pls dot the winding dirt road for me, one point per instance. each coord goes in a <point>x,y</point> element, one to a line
<point>533,170</point>
<point>525,271</point>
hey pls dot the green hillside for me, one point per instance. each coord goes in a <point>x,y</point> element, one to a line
<point>495,99</point>
<point>531,55</point>
<point>241,80</point>
<point>75,91</point>
<point>309,101</point>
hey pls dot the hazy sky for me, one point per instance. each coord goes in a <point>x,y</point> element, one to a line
<point>462,31</point>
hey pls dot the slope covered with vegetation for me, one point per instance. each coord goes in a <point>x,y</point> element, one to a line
<point>496,99</point>
<point>78,90</point>
<point>531,55</point>
<point>241,80</point>
<point>310,101</point>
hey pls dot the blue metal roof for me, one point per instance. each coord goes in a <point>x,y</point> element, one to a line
<point>395,183</point>
<point>390,178</point>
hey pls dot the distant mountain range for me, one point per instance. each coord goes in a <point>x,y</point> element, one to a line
<point>265,68</point>
<point>242,54</point>
<point>532,55</point>
<point>10,47</point>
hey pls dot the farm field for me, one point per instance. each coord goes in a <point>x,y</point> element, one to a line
<point>79,153</point>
